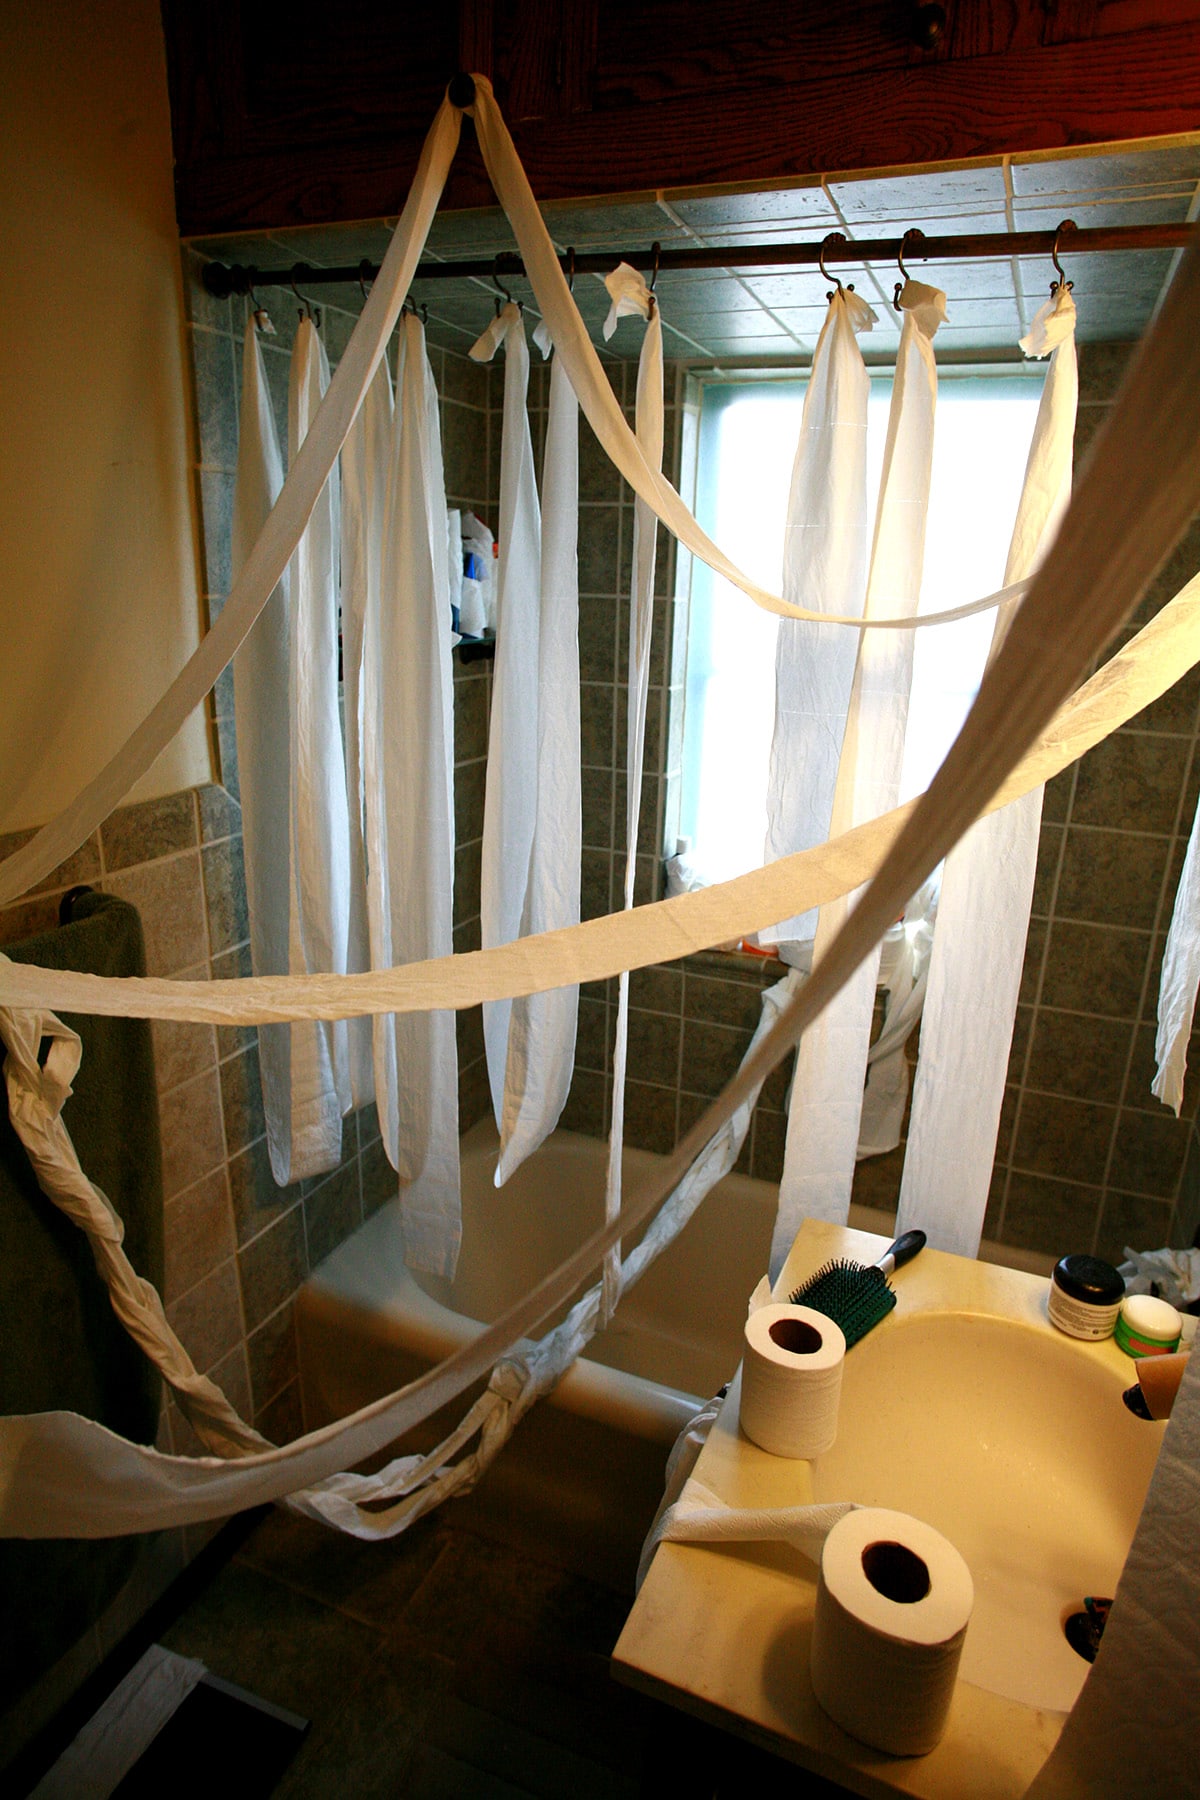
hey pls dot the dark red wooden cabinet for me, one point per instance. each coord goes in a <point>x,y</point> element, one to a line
<point>316,113</point>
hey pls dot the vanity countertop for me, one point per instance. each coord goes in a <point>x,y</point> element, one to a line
<point>723,1631</point>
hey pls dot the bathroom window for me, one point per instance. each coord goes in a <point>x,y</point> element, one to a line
<point>744,446</point>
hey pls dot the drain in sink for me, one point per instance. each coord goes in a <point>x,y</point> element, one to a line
<point>1083,1630</point>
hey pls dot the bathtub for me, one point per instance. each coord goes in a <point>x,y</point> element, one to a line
<point>581,1477</point>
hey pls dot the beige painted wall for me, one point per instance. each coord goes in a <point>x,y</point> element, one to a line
<point>99,601</point>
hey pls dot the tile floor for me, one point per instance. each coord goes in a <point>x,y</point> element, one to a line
<point>447,1665</point>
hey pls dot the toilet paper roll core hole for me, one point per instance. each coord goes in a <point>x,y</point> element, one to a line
<point>796,1336</point>
<point>896,1572</point>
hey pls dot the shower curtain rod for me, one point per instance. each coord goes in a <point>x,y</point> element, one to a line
<point>223,279</point>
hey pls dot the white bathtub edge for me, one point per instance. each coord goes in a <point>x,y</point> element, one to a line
<point>367,1274</point>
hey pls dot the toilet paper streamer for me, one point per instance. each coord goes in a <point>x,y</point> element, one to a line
<point>791,1380</point>
<point>884,1668</point>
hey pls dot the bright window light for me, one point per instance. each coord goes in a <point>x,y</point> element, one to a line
<point>747,444</point>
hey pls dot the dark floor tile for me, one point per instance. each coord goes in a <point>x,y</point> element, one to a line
<point>372,1582</point>
<point>475,1590</point>
<point>500,1749</point>
<point>437,1775</point>
<point>277,1642</point>
<point>564,1695</point>
<point>367,1749</point>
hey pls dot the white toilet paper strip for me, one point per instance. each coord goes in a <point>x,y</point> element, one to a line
<point>366,456</point>
<point>824,568</point>
<point>320,918</point>
<point>510,800</point>
<point>1139,673</point>
<point>541,1032</point>
<point>700,1517</point>
<point>408,756</point>
<point>825,1110</point>
<point>630,294</point>
<point>987,889</point>
<point>305,1130</point>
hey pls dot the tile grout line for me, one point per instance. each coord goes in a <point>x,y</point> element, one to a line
<point>1036,1004</point>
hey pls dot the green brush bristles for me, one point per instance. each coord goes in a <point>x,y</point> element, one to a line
<point>854,1297</point>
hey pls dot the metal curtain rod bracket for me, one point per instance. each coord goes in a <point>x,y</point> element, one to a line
<point>223,279</point>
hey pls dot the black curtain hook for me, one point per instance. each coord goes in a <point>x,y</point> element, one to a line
<point>914,231</point>
<point>570,268</point>
<point>365,274</point>
<point>1063,225</point>
<point>508,299</point>
<point>834,237</point>
<point>656,253</point>
<point>307,309</point>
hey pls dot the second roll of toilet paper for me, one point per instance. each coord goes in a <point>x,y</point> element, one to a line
<point>791,1380</point>
<point>894,1600</point>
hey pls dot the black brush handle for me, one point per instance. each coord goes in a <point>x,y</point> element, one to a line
<point>902,1251</point>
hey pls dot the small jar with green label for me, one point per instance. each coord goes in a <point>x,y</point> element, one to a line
<point>1147,1326</point>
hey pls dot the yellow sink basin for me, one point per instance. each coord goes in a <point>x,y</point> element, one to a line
<point>1012,1441</point>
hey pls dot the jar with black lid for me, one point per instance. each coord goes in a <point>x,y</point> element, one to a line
<point>1085,1297</point>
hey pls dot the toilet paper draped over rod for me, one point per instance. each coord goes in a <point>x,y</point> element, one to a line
<point>224,279</point>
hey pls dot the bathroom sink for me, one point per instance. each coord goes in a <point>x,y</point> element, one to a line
<point>1012,1441</point>
<point>966,1408</point>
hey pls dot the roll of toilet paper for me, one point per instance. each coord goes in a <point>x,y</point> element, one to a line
<point>894,1599</point>
<point>791,1380</point>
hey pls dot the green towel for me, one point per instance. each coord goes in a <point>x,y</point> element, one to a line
<point>61,1345</point>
